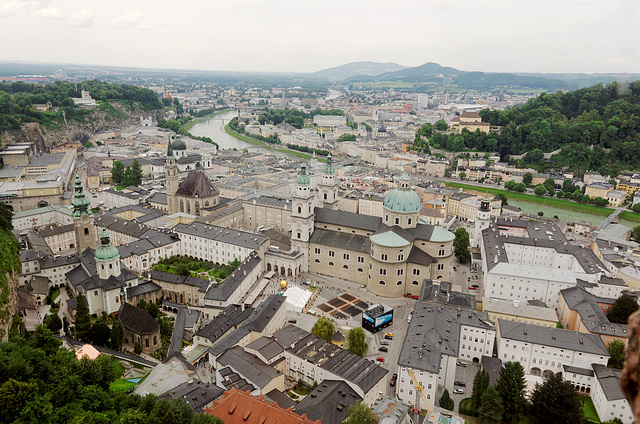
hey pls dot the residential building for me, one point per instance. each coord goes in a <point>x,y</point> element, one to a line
<point>608,397</point>
<point>517,311</point>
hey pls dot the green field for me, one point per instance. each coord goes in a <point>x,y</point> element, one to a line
<point>548,201</point>
<point>268,146</point>
<point>194,121</point>
<point>590,412</point>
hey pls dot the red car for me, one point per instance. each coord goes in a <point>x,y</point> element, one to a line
<point>473,287</point>
<point>380,359</point>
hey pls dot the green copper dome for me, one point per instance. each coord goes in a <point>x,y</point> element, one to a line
<point>106,251</point>
<point>79,201</point>
<point>403,199</point>
<point>303,178</point>
<point>329,169</point>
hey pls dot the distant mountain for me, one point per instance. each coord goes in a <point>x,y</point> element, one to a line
<point>356,68</point>
<point>434,73</point>
<point>580,80</point>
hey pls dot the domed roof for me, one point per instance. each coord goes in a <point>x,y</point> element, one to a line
<point>303,178</point>
<point>440,235</point>
<point>389,239</point>
<point>106,251</point>
<point>178,145</point>
<point>403,199</point>
<point>329,169</point>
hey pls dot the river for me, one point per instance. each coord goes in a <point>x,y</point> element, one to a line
<point>214,129</point>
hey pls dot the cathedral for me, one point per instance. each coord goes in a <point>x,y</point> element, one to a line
<point>390,255</point>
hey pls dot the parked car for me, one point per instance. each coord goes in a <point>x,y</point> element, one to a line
<point>459,383</point>
<point>461,364</point>
<point>409,318</point>
<point>293,321</point>
<point>473,287</point>
<point>384,343</point>
<point>380,359</point>
<point>458,391</point>
<point>388,336</point>
<point>394,378</point>
<point>383,349</point>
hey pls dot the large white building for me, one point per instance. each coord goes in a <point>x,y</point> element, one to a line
<point>543,351</point>
<point>607,395</point>
<point>524,260</point>
<point>436,338</point>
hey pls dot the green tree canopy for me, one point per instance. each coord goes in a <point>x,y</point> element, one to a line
<point>359,413</point>
<point>520,187</point>
<point>540,190</point>
<point>621,309</point>
<point>446,402</point>
<point>441,125</point>
<point>556,402</point>
<point>117,172</point>
<point>491,408</point>
<point>461,246</point>
<point>480,385</point>
<point>356,341</point>
<point>324,328</point>
<point>527,178</point>
<point>616,354</point>
<point>635,232</point>
<point>117,335</point>
<point>83,320</point>
<point>512,389</point>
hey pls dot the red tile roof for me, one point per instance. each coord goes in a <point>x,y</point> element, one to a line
<point>238,407</point>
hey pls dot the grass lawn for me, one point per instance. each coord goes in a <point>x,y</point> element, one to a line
<point>301,390</point>
<point>118,366</point>
<point>122,385</point>
<point>262,143</point>
<point>194,121</point>
<point>589,410</point>
<point>548,201</point>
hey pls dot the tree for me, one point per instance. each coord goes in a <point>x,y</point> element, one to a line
<point>137,348</point>
<point>540,213</point>
<point>136,174</point>
<point>83,320</point>
<point>54,323</point>
<point>540,190</point>
<point>117,172</point>
<point>520,187</point>
<point>621,309</point>
<point>463,175</point>
<point>635,233</point>
<point>14,395</point>
<point>527,178</point>
<point>426,130</point>
<point>356,341</point>
<point>461,246</point>
<point>503,198</point>
<point>359,413</point>
<point>512,388</point>
<point>491,408</point>
<point>480,385</point>
<point>616,354</point>
<point>324,328</point>
<point>556,402</point>
<point>446,402</point>
<point>117,335</point>
<point>100,334</point>
<point>636,208</point>
<point>550,184</point>
<point>441,125</point>
<point>510,185</point>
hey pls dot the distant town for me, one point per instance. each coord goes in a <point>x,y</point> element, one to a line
<point>309,252</point>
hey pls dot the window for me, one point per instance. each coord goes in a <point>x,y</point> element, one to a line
<point>383,271</point>
<point>146,342</point>
<point>95,293</point>
<point>397,221</point>
<point>330,263</point>
<point>400,271</point>
<point>360,270</point>
<point>316,251</point>
<point>400,257</point>
<point>345,267</point>
<point>361,259</point>
<point>345,256</point>
<point>441,252</point>
<point>86,231</point>
<point>409,221</point>
<point>415,283</point>
<point>332,253</point>
<point>382,283</point>
<point>416,271</point>
<point>399,283</point>
<point>440,267</point>
<point>299,209</point>
<point>383,257</point>
<point>317,261</point>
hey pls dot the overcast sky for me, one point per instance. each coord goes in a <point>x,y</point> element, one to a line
<point>306,36</point>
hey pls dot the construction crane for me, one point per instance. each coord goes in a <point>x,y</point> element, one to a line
<point>418,387</point>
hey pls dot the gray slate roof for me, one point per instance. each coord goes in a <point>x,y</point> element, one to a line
<point>340,240</point>
<point>224,235</point>
<point>223,290</point>
<point>195,393</point>
<point>609,379</point>
<point>348,219</point>
<point>329,402</point>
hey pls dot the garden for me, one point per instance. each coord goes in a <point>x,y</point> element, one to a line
<point>184,265</point>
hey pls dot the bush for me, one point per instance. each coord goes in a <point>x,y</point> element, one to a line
<point>465,407</point>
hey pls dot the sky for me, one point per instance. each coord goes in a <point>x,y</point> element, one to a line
<point>303,36</point>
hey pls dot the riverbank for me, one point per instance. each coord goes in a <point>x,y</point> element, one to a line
<point>194,121</point>
<point>548,201</point>
<point>255,142</point>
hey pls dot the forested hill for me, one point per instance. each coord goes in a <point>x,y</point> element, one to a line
<point>597,128</point>
<point>17,101</point>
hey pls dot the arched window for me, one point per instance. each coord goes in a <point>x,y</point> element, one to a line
<point>155,340</point>
<point>317,261</point>
<point>299,209</point>
<point>110,266</point>
<point>397,221</point>
<point>382,283</point>
<point>330,263</point>
<point>95,293</point>
<point>146,342</point>
<point>399,283</point>
<point>409,221</point>
<point>360,270</point>
<point>86,231</point>
<point>345,267</point>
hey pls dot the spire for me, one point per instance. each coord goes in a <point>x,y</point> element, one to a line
<point>80,202</point>
<point>106,251</point>
<point>169,149</point>
<point>405,181</point>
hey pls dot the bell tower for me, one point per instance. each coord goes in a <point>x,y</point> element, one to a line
<point>329,187</point>
<point>483,219</point>
<point>302,216</point>
<point>82,218</point>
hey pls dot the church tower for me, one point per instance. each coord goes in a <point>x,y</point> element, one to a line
<point>107,257</point>
<point>171,177</point>
<point>483,219</point>
<point>329,187</point>
<point>302,216</point>
<point>82,218</point>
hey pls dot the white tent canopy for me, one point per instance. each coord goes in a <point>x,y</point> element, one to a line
<point>297,298</point>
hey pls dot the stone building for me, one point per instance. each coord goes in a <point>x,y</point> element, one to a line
<point>139,327</point>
